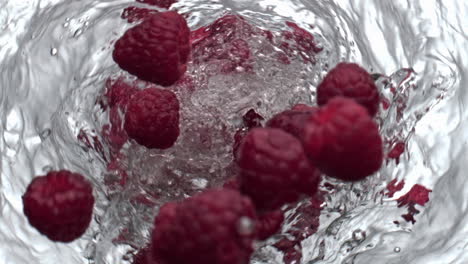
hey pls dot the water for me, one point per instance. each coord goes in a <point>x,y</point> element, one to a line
<point>55,60</point>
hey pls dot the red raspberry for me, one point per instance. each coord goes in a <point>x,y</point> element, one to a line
<point>208,228</point>
<point>152,118</point>
<point>59,205</point>
<point>274,168</point>
<point>292,121</point>
<point>343,141</point>
<point>349,80</point>
<point>155,50</point>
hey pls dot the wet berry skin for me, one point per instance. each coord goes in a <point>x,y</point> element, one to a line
<point>205,229</point>
<point>59,205</point>
<point>343,141</point>
<point>292,121</point>
<point>152,118</point>
<point>155,50</point>
<point>352,81</point>
<point>274,169</point>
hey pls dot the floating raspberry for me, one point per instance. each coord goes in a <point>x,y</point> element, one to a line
<point>155,50</point>
<point>274,168</point>
<point>292,121</point>
<point>213,227</point>
<point>152,118</point>
<point>59,205</point>
<point>343,141</point>
<point>352,81</point>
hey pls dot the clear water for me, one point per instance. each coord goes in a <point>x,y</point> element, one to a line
<point>55,59</point>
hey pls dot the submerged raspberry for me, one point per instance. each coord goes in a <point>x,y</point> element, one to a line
<point>208,228</point>
<point>274,168</point>
<point>152,118</point>
<point>156,50</point>
<point>59,205</point>
<point>352,81</point>
<point>343,141</point>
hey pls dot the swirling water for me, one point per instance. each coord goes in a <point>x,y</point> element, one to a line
<point>54,61</point>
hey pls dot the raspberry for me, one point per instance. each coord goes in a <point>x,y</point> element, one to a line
<point>352,81</point>
<point>209,228</point>
<point>343,141</point>
<point>59,205</point>
<point>274,168</point>
<point>152,118</point>
<point>292,121</point>
<point>155,50</point>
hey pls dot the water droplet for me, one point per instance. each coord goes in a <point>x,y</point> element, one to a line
<point>397,249</point>
<point>78,32</point>
<point>66,24</point>
<point>245,226</point>
<point>86,23</point>
<point>359,235</point>
<point>53,51</point>
<point>47,168</point>
<point>67,19</point>
<point>45,134</point>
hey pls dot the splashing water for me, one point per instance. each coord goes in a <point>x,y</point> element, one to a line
<point>55,61</point>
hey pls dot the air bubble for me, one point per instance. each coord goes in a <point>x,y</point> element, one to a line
<point>78,32</point>
<point>45,134</point>
<point>53,51</point>
<point>47,168</point>
<point>246,226</point>
<point>397,249</point>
